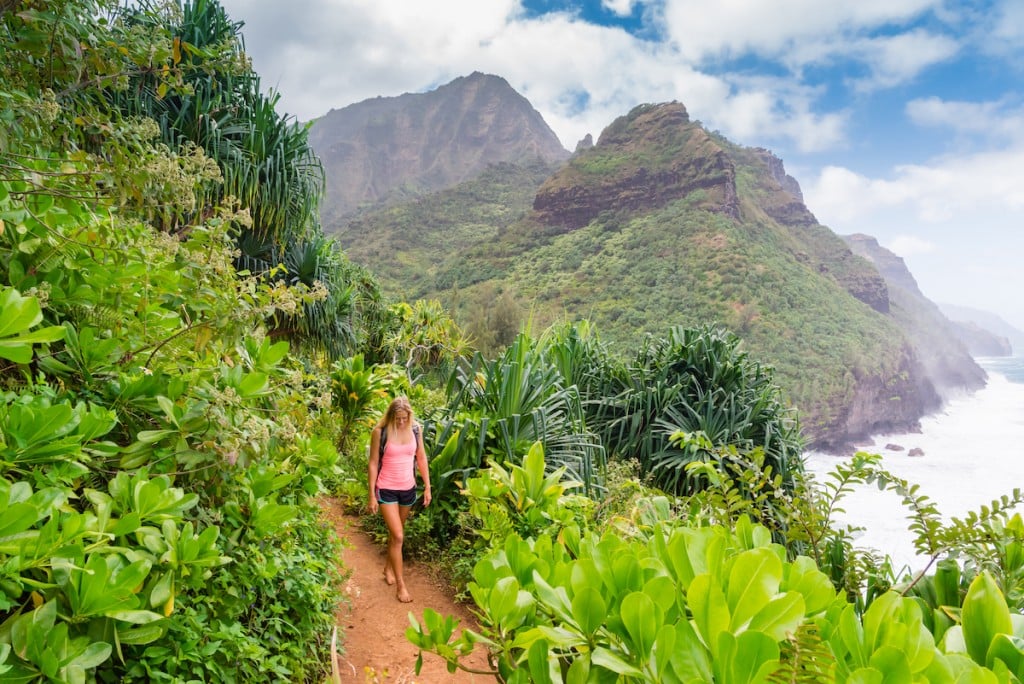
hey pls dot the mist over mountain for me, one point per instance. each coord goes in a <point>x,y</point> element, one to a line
<point>394,148</point>
<point>663,223</point>
<point>942,344</point>
<point>1010,339</point>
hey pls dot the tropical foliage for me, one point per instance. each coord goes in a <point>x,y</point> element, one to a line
<point>158,450</point>
<point>669,599</point>
<point>183,354</point>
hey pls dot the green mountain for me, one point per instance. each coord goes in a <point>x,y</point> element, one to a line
<point>663,223</point>
<point>391,149</point>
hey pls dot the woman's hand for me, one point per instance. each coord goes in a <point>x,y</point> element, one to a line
<point>374,505</point>
<point>426,495</point>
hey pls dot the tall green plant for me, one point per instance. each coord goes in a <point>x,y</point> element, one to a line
<point>694,381</point>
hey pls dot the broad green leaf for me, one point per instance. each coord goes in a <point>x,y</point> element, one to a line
<point>502,599</point>
<point>1010,650</point>
<point>953,640</point>
<point>893,665</point>
<point>17,518</point>
<point>865,675</point>
<point>753,652</point>
<point>95,654</point>
<point>541,668</point>
<point>626,573</point>
<point>135,617</point>
<point>602,657</point>
<point>143,634</point>
<point>984,615</point>
<point>851,633</point>
<point>664,647</point>
<point>663,592</point>
<point>753,581</point>
<point>709,609</point>
<point>946,581</point>
<point>780,617</point>
<point>805,577</point>
<point>579,670</point>
<point>589,610</point>
<point>881,618</point>
<point>271,517</point>
<point>555,599</point>
<point>17,313</point>
<point>19,349</point>
<point>690,660</point>
<point>558,637</point>
<point>252,384</point>
<point>641,618</point>
<point>680,562</point>
<point>961,670</point>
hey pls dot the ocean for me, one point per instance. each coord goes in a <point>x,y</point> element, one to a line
<point>973,453</point>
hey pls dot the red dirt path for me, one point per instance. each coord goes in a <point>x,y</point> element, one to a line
<point>371,624</point>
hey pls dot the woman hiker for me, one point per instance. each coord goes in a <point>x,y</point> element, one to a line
<point>396,451</point>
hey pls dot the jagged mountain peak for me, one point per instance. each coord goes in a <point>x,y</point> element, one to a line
<point>394,147</point>
<point>651,156</point>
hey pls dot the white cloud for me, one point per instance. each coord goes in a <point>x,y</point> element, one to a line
<point>623,8</point>
<point>992,119</point>
<point>899,58</point>
<point>1006,28</point>
<point>909,245</point>
<point>950,188</point>
<point>772,29</point>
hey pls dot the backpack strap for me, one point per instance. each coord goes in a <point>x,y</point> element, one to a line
<point>380,453</point>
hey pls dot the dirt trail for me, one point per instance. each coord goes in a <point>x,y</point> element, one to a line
<point>373,647</point>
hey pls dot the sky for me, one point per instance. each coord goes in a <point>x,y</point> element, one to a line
<point>901,119</point>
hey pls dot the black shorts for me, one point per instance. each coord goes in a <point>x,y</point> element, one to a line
<point>402,497</point>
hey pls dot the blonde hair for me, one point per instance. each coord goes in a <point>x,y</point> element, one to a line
<point>398,404</point>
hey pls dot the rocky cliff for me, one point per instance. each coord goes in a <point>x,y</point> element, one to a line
<point>642,161</point>
<point>401,147</point>
<point>981,342</point>
<point>947,361</point>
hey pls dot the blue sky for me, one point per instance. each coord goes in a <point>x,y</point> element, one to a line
<point>902,119</point>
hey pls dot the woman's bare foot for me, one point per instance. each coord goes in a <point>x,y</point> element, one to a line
<point>389,576</point>
<point>403,594</point>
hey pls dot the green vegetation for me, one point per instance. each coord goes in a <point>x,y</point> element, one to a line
<point>660,595</point>
<point>186,363</point>
<point>165,411</point>
<point>430,232</point>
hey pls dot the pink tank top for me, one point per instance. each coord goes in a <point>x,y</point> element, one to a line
<point>396,472</point>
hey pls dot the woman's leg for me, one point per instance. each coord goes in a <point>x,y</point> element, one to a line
<point>394,518</point>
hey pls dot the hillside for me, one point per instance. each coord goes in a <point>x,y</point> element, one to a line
<point>390,149</point>
<point>663,223</point>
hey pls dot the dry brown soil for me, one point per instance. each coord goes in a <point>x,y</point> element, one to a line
<point>372,645</point>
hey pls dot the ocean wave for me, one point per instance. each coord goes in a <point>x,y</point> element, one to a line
<point>972,452</point>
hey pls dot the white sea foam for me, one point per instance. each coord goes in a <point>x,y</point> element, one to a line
<point>973,453</point>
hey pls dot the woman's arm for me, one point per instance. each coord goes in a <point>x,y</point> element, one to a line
<point>373,463</point>
<point>424,467</point>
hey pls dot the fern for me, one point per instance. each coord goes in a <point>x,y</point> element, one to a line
<point>805,657</point>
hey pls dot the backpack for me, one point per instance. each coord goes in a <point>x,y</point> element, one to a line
<point>384,441</point>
